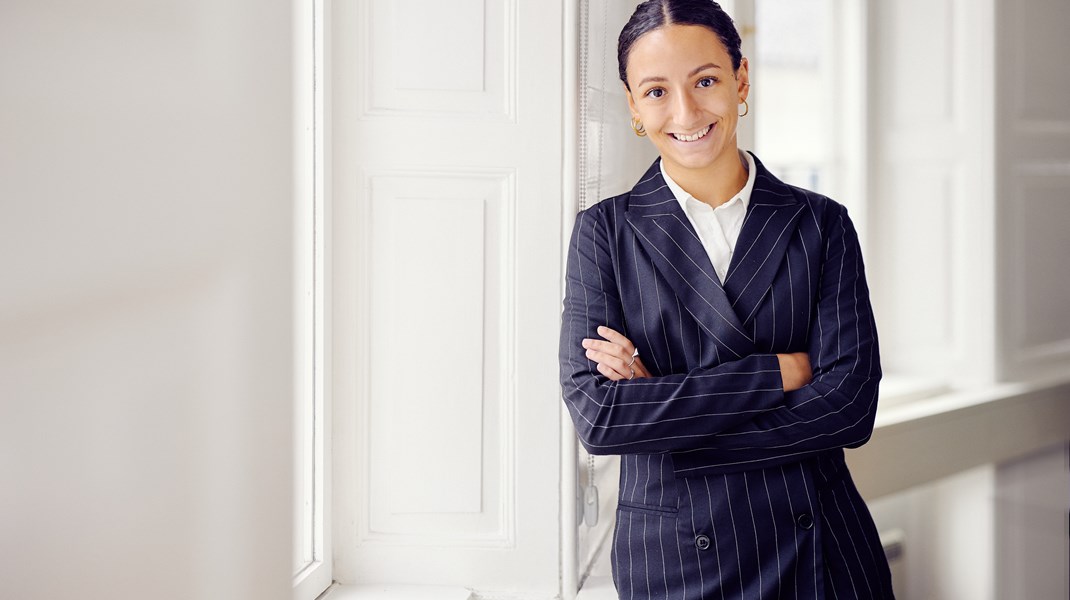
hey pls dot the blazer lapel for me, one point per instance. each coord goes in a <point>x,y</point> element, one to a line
<point>675,250</point>
<point>772,216</point>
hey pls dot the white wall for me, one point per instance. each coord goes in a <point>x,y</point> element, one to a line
<point>145,367</point>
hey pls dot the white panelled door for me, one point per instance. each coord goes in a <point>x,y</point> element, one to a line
<point>446,141</point>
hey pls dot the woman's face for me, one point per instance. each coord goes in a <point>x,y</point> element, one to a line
<point>686,95</point>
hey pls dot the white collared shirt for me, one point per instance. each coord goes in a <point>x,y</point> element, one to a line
<point>718,228</point>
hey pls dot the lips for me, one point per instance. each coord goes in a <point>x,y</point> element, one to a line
<point>694,137</point>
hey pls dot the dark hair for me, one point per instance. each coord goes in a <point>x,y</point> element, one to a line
<point>653,14</point>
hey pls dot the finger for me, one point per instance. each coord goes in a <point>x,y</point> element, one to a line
<point>607,348</point>
<point>640,368</point>
<point>612,360</point>
<point>609,360</point>
<point>610,373</point>
<point>617,338</point>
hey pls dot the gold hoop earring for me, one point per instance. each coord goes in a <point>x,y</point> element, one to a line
<point>746,109</point>
<point>637,127</point>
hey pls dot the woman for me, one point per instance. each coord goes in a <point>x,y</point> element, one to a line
<point>717,334</point>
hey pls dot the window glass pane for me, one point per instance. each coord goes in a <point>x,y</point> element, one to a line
<point>793,132</point>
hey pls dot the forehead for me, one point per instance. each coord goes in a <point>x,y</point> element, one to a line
<point>676,48</point>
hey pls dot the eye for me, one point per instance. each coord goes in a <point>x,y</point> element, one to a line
<point>654,93</point>
<point>707,82</point>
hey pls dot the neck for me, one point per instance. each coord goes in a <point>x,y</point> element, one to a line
<point>716,183</point>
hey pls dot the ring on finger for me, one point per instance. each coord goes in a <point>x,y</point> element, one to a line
<point>632,376</point>
<point>635,354</point>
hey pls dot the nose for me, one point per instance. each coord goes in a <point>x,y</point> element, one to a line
<point>686,112</point>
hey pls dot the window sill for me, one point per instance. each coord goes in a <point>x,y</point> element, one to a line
<point>897,390</point>
<point>395,592</point>
<point>922,440</point>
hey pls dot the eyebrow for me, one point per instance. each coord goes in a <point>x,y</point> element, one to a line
<point>693,72</point>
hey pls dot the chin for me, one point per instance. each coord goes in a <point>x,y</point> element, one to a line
<point>693,162</point>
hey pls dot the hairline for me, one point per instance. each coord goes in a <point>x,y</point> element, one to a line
<point>667,21</point>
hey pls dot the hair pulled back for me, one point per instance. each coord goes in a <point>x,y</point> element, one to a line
<point>653,14</point>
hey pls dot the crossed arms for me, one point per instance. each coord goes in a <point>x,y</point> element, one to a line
<point>761,406</point>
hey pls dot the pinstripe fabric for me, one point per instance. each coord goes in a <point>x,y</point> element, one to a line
<point>730,487</point>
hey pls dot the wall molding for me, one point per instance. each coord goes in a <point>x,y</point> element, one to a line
<point>491,521</point>
<point>494,98</point>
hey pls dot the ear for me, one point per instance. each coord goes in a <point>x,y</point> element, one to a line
<point>743,79</point>
<point>631,102</point>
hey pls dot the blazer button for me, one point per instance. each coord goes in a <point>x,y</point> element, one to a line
<point>805,521</point>
<point>702,542</point>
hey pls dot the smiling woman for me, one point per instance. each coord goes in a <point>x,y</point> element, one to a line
<point>717,334</point>
<point>687,99</point>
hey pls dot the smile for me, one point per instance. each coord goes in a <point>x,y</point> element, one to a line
<point>694,137</point>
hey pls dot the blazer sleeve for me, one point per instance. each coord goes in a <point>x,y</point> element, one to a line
<point>661,414</point>
<point>837,409</point>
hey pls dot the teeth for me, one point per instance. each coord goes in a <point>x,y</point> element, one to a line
<point>694,137</point>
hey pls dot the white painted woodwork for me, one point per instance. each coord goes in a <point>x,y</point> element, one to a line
<point>439,59</point>
<point>947,530</point>
<point>146,367</point>
<point>1031,550</point>
<point>919,442</point>
<point>311,419</point>
<point>928,473</point>
<point>396,592</point>
<point>989,532</point>
<point>446,197</point>
<point>931,185</point>
<point>441,258</point>
<point>1033,187</point>
<point>572,24</point>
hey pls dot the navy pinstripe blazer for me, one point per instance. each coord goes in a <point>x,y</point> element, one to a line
<point>730,487</point>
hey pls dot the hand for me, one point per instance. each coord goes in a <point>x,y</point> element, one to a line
<point>614,356</point>
<point>795,371</point>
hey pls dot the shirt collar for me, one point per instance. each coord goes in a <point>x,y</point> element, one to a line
<point>742,196</point>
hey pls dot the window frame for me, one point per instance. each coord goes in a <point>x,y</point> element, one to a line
<point>312,535</point>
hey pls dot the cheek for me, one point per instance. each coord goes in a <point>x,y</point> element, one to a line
<point>651,118</point>
<point>726,107</point>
